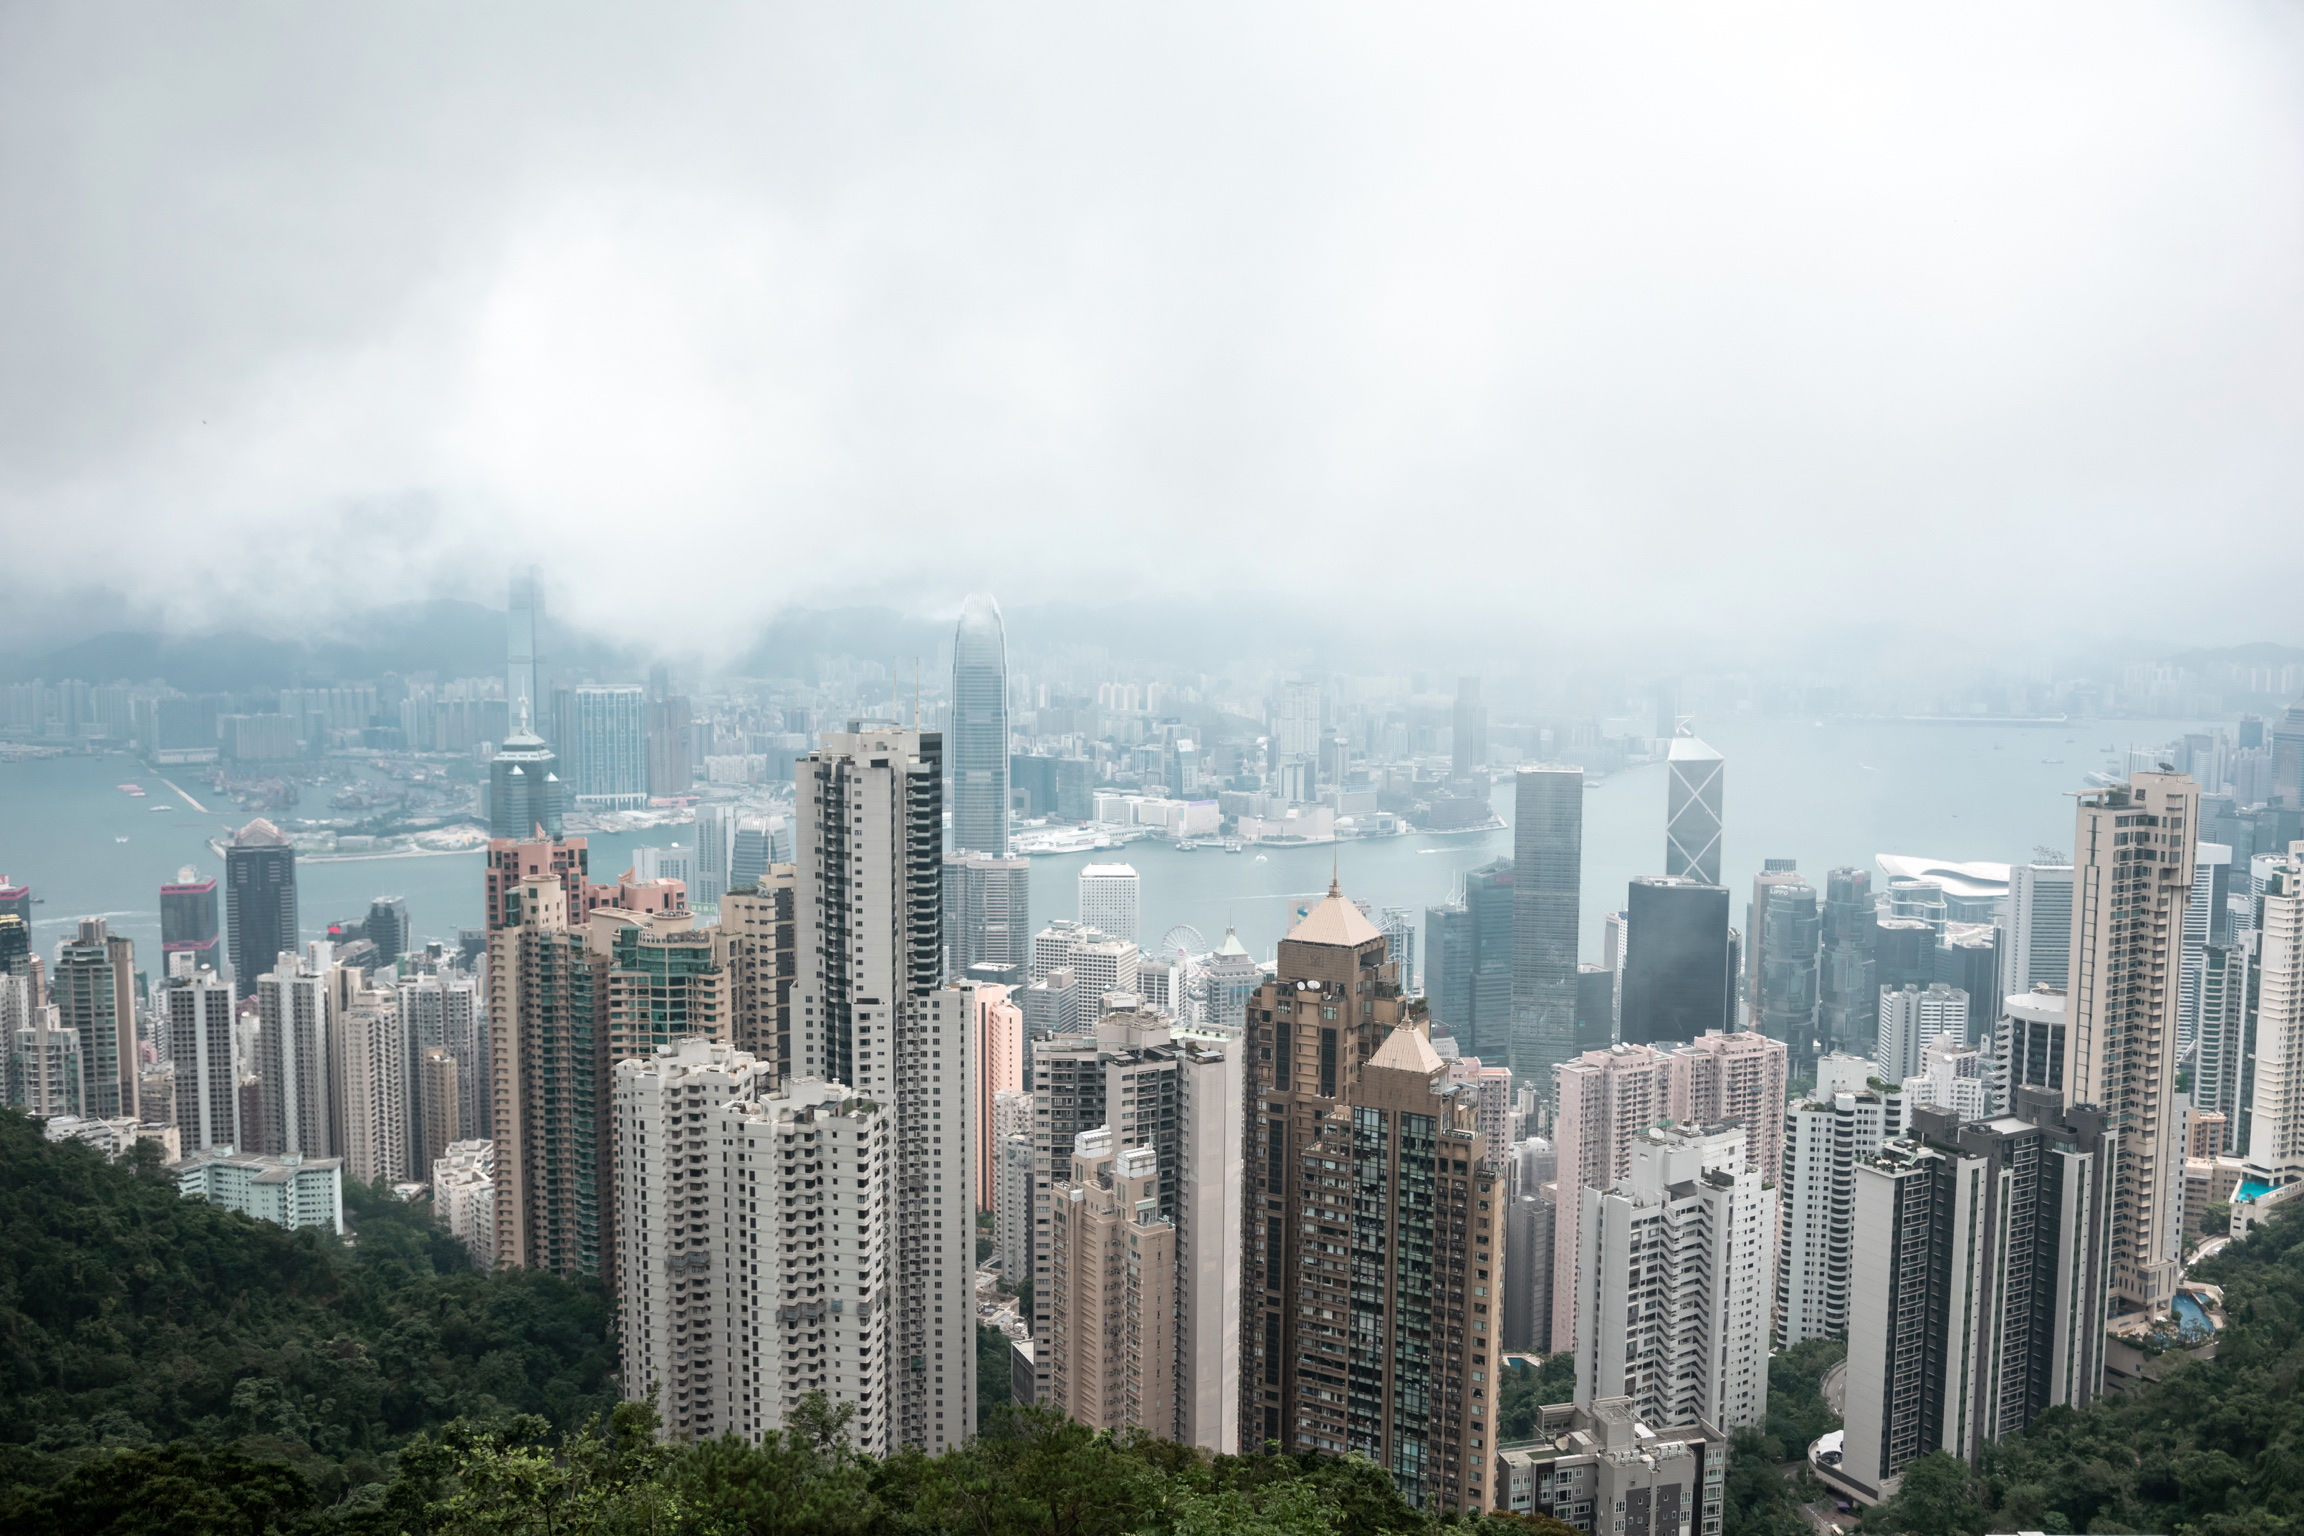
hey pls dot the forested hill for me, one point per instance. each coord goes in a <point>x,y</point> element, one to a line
<point>2216,1448</point>
<point>130,1316</point>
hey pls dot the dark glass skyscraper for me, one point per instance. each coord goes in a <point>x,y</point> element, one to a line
<point>1677,982</point>
<point>524,790</point>
<point>1547,869</point>
<point>978,740</point>
<point>1595,1008</point>
<point>1848,976</point>
<point>1788,971</point>
<point>259,901</point>
<point>1488,903</point>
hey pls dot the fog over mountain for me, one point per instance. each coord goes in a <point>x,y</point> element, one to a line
<point>1535,326</point>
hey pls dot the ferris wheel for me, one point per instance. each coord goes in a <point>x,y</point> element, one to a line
<point>1184,942</point>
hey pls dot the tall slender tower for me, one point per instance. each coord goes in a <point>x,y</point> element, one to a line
<point>1692,811</point>
<point>979,748</point>
<point>548,1062</point>
<point>868,1012</point>
<point>526,687</point>
<point>1848,975</point>
<point>2275,1144</point>
<point>1547,872</point>
<point>198,1018</point>
<point>259,901</point>
<point>2131,876</point>
<point>95,993</point>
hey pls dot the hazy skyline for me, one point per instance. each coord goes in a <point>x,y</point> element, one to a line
<point>1520,319</point>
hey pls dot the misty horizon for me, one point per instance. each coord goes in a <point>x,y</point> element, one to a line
<point>1498,337</point>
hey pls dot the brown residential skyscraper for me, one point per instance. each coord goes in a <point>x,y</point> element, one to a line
<point>1371,1243</point>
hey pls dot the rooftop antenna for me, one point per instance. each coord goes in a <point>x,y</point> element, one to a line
<point>915,693</point>
<point>895,699</point>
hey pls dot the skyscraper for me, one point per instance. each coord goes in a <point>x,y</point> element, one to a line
<point>2207,919</point>
<point>1911,1017</point>
<point>715,849</point>
<point>387,929</point>
<point>1693,1204</point>
<point>1110,898</point>
<point>1112,1277</point>
<point>94,991</point>
<point>188,924</point>
<point>2220,1068</point>
<point>2275,1144</point>
<point>726,1277</point>
<point>1825,1135</point>
<point>524,788</point>
<point>2038,951</point>
<point>296,1066</point>
<point>1607,1097</point>
<point>1676,962</point>
<point>1417,1258</point>
<point>1773,872</point>
<point>2132,873</point>
<point>1547,880</point>
<point>868,1013</point>
<point>987,911</point>
<point>259,901</point>
<point>527,683</point>
<point>197,1013</point>
<point>1695,787</point>
<point>1468,744</point>
<point>605,747</point>
<point>1848,972</point>
<point>670,747</point>
<point>759,935</point>
<point>1976,1284</point>
<point>1485,1030</point>
<point>548,1062</point>
<point>978,748</point>
<point>1788,954</point>
<point>372,1064</point>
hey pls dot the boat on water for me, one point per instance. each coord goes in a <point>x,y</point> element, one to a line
<point>1185,845</point>
<point>2052,761</point>
<point>130,789</point>
<point>157,809</point>
<point>119,839</point>
<point>1234,845</point>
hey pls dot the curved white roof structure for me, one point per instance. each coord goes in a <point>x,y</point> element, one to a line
<point>1973,881</point>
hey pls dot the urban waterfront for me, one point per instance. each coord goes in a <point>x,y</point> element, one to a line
<point>1839,792</point>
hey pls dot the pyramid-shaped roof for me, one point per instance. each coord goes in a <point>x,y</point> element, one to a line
<point>1334,921</point>
<point>259,834</point>
<point>1231,946</point>
<point>1406,1050</point>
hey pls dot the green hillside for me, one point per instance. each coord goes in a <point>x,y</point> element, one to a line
<point>130,1316</point>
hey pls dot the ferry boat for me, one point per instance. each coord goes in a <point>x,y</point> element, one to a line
<point>1185,845</point>
<point>1234,845</point>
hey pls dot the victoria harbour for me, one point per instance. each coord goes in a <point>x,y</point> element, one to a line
<point>1823,793</point>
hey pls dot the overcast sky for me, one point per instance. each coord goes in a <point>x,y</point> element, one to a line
<point>1759,317</point>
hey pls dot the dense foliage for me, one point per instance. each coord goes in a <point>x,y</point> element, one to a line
<point>131,1317</point>
<point>1031,1473</point>
<point>1527,1388</point>
<point>2211,1448</point>
<point>992,1372</point>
